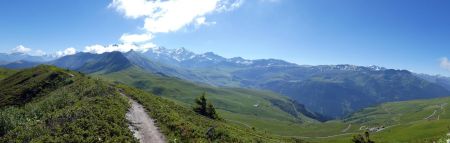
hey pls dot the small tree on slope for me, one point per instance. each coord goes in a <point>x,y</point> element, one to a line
<point>205,108</point>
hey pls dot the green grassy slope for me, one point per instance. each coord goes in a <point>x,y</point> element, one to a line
<point>408,121</point>
<point>6,72</point>
<point>399,112</point>
<point>28,84</point>
<point>90,110</point>
<point>79,110</point>
<point>181,124</point>
<point>259,107</point>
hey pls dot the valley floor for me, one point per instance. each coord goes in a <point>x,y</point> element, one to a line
<point>408,121</point>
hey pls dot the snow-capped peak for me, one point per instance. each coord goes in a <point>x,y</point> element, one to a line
<point>376,68</point>
<point>240,60</point>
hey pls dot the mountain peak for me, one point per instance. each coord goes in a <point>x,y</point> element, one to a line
<point>184,57</point>
<point>210,53</point>
<point>89,62</point>
<point>237,58</point>
<point>212,56</point>
<point>180,50</point>
<point>240,60</point>
<point>377,68</point>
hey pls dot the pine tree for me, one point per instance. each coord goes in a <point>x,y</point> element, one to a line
<point>200,108</point>
<point>211,111</point>
<point>205,108</point>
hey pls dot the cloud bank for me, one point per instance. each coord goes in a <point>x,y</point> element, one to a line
<point>21,49</point>
<point>162,16</point>
<point>98,49</point>
<point>68,51</point>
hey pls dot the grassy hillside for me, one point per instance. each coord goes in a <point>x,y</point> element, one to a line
<point>181,124</point>
<point>6,72</point>
<point>233,103</point>
<point>408,121</point>
<point>47,104</point>
<point>85,109</point>
<point>28,84</point>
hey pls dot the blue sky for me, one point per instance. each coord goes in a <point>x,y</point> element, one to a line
<point>403,34</point>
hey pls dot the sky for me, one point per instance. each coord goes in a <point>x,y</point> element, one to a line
<point>399,34</point>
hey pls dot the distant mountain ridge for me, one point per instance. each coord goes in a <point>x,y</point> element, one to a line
<point>20,64</point>
<point>23,60</point>
<point>438,79</point>
<point>13,57</point>
<point>185,58</point>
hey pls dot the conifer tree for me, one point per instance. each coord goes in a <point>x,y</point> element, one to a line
<point>205,108</point>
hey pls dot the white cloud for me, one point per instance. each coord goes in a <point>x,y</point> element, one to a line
<point>162,16</point>
<point>21,49</point>
<point>133,8</point>
<point>269,0</point>
<point>24,50</point>
<point>229,5</point>
<point>173,15</point>
<point>444,63</point>
<point>135,38</point>
<point>202,21</point>
<point>65,52</point>
<point>38,53</point>
<point>99,49</point>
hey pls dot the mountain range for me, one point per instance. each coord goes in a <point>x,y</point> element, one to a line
<point>330,90</point>
<point>13,57</point>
